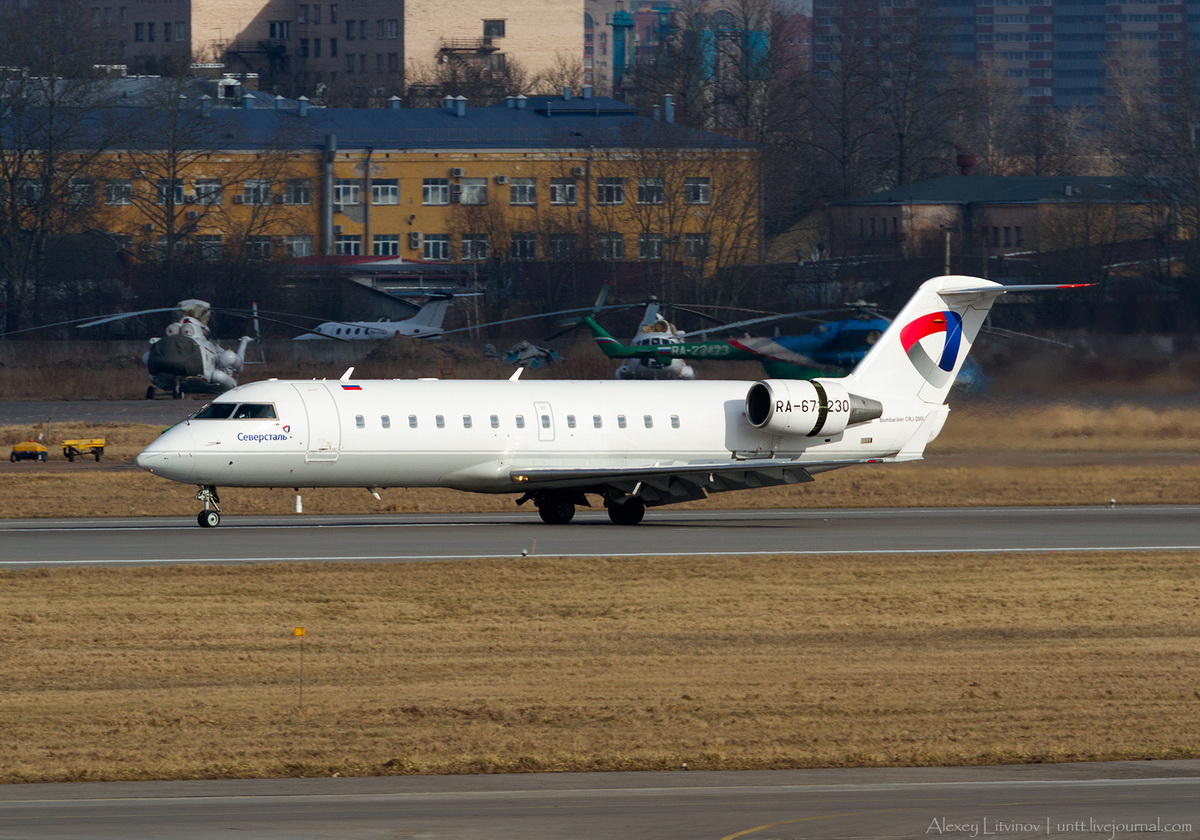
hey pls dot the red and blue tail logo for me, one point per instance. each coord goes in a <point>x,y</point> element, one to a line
<point>946,323</point>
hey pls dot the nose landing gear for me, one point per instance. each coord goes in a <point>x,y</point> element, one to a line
<point>210,517</point>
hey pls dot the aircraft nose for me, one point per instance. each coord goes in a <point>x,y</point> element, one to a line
<point>170,455</point>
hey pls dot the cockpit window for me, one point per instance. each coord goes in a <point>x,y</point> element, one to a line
<point>216,411</point>
<point>254,411</point>
<point>236,411</point>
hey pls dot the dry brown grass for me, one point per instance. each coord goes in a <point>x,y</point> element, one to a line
<point>997,425</point>
<point>552,664</point>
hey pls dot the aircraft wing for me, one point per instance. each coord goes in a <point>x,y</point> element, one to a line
<point>660,484</point>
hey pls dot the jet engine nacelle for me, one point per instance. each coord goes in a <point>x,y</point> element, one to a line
<point>807,407</point>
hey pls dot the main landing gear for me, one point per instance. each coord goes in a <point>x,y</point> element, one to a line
<point>210,517</point>
<point>557,507</point>
<point>627,511</point>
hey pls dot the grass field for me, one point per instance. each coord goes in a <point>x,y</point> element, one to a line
<point>553,664</point>
<point>549,664</point>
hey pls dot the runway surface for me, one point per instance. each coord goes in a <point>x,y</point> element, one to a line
<point>393,538</point>
<point>1079,801</point>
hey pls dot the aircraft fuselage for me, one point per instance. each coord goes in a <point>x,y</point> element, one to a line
<point>473,435</point>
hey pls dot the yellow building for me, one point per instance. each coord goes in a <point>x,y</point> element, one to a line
<point>549,178</point>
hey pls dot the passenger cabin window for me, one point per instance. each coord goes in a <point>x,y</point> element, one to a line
<point>495,421</point>
<point>674,421</point>
<point>412,421</point>
<point>597,421</point>
<point>385,421</point>
<point>620,421</point>
<point>466,421</point>
<point>649,421</point>
<point>570,421</point>
<point>360,421</point>
<point>440,421</point>
<point>545,421</point>
<point>520,421</point>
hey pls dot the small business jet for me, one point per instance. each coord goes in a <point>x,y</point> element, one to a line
<point>635,444</point>
<point>426,323</point>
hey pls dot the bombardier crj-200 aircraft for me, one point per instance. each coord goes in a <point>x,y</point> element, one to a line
<point>635,444</point>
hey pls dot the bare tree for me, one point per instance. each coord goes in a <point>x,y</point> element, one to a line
<point>51,138</point>
<point>196,199</point>
<point>482,79</point>
<point>566,71</point>
<point>922,93</point>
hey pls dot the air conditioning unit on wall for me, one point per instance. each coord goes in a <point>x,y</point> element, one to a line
<point>456,172</point>
<point>414,240</point>
<point>501,179</point>
<point>577,172</point>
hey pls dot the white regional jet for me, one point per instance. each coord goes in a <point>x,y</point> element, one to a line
<point>634,444</point>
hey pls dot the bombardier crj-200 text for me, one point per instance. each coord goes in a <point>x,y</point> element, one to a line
<point>635,444</point>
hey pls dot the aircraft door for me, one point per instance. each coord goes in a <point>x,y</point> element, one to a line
<point>324,428</point>
<point>545,420</point>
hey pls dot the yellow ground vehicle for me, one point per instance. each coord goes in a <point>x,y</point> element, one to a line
<point>29,450</point>
<point>73,449</point>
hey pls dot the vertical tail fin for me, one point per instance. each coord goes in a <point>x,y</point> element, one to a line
<point>608,345</point>
<point>431,314</point>
<point>923,350</point>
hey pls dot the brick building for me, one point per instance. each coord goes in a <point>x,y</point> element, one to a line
<point>362,44</point>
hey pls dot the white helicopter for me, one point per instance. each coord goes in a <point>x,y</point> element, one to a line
<point>187,360</point>
<point>426,323</point>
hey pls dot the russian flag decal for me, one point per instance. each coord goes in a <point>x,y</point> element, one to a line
<point>351,387</point>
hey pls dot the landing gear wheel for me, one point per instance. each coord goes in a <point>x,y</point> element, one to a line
<point>150,392</point>
<point>210,517</point>
<point>628,512</point>
<point>556,509</point>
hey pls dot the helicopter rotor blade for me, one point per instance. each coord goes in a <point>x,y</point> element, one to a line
<point>587,309</point>
<point>122,316</point>
<point>807,313</point>
<point>80,321</point>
